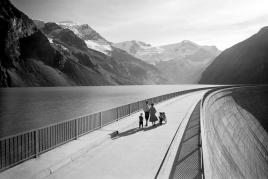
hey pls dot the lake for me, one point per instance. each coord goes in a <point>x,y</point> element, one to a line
<point>23,109</point>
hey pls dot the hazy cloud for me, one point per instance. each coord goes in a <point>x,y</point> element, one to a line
<point>212,22</point>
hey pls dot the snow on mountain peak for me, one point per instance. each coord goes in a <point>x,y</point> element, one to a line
<point>92,39</point>
<point>188,42</point>
<point>67,23</point>
<point>155,54</point>
<point>106,49</point>
<point>141,44</point>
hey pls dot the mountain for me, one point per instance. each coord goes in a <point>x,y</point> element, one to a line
<point>24,50</point>
<point>50,54</point>
<point>140,50</point>
<point>118,67</point>
<point>92,39</point>
<point>182,62</point>
<point>243,63</point>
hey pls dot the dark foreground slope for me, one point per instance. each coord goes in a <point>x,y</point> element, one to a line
<point>235,134</point>
<point>29,58</point>
<point>244,63</point>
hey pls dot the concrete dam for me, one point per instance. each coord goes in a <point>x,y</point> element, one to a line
<point>218,132</point>
<point>234,126</point>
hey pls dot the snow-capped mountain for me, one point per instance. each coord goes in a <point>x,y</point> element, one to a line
<point>141,50</point>
<point>155,54</point>
<point>92,39</point>
<point>181,62</point>
<point>84,66</point>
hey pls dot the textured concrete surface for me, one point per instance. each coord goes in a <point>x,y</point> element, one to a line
<point>235,142</point>
<point>135,153</point>
<point>168,161</point>
<point>187,163</point>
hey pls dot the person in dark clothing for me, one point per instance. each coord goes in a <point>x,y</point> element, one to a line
<point>153,117</point>
<point>140,121</point>
<point>162,117</point>
<point>146,110</point>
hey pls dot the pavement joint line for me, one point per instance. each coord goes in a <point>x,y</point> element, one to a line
<point>78,154</point>
<point>193,126</point>
<point>186,156</point>
<point>72,157</point>
<point>190,137</point>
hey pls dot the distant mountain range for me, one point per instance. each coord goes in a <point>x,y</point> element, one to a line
<point>182,62</point>
<point>243,63</point>
<point>37,53</point>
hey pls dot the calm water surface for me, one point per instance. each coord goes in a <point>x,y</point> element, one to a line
<point>22,109</point>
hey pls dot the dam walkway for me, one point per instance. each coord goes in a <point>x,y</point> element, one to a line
<point>148,152</point>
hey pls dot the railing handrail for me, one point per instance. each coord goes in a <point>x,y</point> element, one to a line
<point>31,143</point>
<point>65,120</point>
<point>81,116</point>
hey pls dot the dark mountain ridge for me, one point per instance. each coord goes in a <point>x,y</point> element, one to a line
<point>21,40</point>
<point>54,56</point>
<point>243,63</point>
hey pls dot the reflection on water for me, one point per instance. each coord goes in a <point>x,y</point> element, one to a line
<point>23,109</point>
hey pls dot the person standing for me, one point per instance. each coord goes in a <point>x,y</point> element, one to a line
<point>140,121</point>
<point>153,117</point>
<point>146,110</point>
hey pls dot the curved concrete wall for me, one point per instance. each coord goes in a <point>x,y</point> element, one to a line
<point>234,133</point>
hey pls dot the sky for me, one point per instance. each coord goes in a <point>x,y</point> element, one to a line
<point>207,22</point>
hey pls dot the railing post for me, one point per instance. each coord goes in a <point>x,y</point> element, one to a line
<point>117,113</point>
<point>129,109</point>
<point>76,128</point>
<point>100,119</point>
<point>36,143</point>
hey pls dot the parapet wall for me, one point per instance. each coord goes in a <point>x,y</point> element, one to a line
<point>234,133</point>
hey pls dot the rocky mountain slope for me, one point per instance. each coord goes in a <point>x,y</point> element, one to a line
<point>92,39</point>
<point>243,63</point>
<point>182,62</point>
<point>56,55</point>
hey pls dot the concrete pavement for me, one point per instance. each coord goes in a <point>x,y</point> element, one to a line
<point>95,155</point>
<point>135,153</point>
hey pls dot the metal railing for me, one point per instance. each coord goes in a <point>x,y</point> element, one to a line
<point>20,147</point>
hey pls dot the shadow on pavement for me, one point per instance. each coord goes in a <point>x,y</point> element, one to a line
<point>135,130</point>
